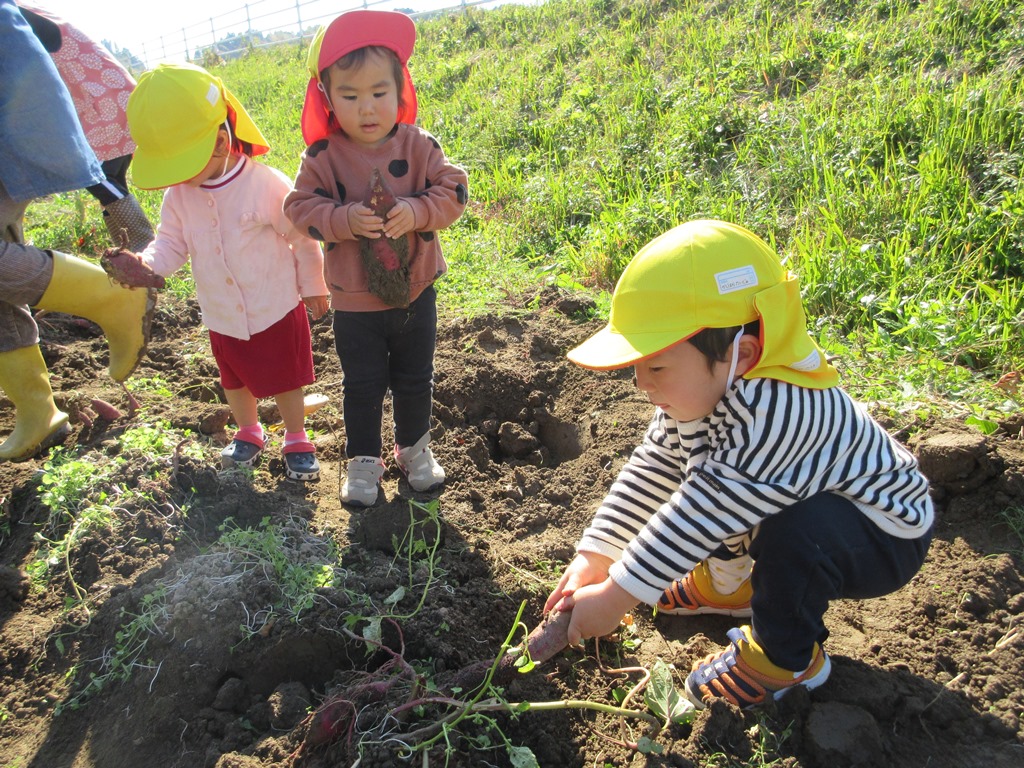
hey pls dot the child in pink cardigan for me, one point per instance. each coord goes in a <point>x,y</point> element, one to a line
<point>255,274</point>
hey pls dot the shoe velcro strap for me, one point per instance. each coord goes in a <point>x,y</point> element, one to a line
<point>303,446</point>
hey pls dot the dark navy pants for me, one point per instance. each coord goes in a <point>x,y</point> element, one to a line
<point>392,348</point>
<point>818,550</point>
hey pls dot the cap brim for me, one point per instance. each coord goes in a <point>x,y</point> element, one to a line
<point>608,349</point>
<point>359,29</point>
<point>152,170</point>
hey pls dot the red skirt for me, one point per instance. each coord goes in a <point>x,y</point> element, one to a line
<point>276,360</point>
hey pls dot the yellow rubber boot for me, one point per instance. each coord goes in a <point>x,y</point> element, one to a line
<point>81,288</point>
<point>38,422</point>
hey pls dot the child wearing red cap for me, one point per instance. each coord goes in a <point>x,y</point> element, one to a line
<point>256,275</point>
<point>761,489</point>
<point>358,118</point>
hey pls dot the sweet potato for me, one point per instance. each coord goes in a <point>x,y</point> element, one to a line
<point>313,402</point>
<point>331,721</point>
<point>129,270</point>
<point>547,640</point>
<point>386,259</point>
<point>337,716</point>
<point>105,410</point>
<point>550,637</point>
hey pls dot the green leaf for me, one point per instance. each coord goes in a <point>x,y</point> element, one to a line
<point>524,664</point>
<point>663,699</point>
<point>522,757</point>
<point>985,426</point>
<point>395,596</point>
<point>645,745</point>
<point>371,632</point>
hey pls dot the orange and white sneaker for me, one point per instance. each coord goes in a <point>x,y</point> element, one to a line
<point>694,594</point>
<point>744,675</point>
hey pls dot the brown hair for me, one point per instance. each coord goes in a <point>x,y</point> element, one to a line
<point>356,58</point>
<point>237,145</point>
<point>713,343</point>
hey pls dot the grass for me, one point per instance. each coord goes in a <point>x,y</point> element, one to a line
<point>877,146</point>
<point>82,499</point>
<point>281,560</point>
<point>770,740</point>
<point>1013,518</point>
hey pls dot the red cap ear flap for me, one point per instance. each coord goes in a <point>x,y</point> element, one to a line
<point>316,110</point>
<point>407,112</point>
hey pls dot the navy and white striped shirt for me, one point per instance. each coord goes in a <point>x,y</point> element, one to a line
<point>691,486</point>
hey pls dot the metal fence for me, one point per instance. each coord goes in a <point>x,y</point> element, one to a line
<point>262,23</point>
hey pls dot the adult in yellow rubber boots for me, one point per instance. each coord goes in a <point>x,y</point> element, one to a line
<point>43,151</point>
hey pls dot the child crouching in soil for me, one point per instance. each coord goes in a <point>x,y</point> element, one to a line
<point>255,274</point>
<point>760,489</point>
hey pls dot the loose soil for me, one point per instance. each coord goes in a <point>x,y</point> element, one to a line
<point>932,675</point>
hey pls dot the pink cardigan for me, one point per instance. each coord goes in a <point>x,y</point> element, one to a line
<point>250,265</point>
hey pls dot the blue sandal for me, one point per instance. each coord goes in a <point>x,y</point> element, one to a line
<point>240,454</point>
<point>300,462</point>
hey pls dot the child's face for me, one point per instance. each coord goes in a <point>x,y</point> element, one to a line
<point>365,99</point>
<point>220,162</point>
<point>679,382</point>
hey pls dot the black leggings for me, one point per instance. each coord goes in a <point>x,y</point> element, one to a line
<point>818,550</point>
<point>388,349</point>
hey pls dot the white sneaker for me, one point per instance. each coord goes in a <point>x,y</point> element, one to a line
<point>419,466</point>
<point>362,484</point>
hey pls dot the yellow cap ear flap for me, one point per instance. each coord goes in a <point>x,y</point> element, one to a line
<point>245,128</point>
<point>789,353</point>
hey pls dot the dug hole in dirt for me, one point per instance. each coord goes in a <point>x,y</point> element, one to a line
<point>932,675</point>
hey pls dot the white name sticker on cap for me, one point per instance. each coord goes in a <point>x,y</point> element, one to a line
<point>736,279</point>
<point>213,94</point>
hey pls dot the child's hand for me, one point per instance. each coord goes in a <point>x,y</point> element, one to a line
<point>317,305</point>
<point>401,220</point>
<point>586,568</point>
<point>598,610</point>
<point>364,222</point>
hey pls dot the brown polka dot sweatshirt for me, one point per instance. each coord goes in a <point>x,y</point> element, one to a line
<point>334,175</point>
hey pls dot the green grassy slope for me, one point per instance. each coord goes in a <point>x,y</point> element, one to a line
<point>877,145</point>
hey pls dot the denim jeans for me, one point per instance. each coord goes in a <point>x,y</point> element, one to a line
<point>392,348</point>
<point>43,149</point>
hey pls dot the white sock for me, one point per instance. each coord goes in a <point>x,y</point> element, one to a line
<point>728,575</point>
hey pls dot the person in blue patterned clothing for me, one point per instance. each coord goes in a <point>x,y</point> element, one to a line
<point>43,151</point>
